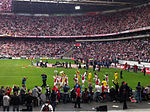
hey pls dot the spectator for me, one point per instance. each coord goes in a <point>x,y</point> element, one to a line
<point>29,101</point>
<point>6,102</point>
<point>16,89</point>
<point>47,107</point>
<point>53,99</point>
<point>22,93</point>
<point>2,93</point>
<point>78,93</point>
<point>139,92</point>
<point>85,96</point>
<point>66,94</point>
<point>35,94</point>
<point>15,101</point>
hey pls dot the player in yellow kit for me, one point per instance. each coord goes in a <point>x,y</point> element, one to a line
<point>90,76</point>
<point>104,82</point>
<point>78,74</point>
<point>116,77</point>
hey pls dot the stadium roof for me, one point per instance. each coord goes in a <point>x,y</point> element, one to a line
<point>68,6</point>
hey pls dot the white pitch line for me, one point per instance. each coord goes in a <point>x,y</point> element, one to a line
<point>17,76</point>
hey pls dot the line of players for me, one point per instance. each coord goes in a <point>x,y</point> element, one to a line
<point>61,79</point>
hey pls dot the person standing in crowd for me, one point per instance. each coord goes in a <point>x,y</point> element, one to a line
<point>123,94</point>
<point>8,90</point>
<point>128,68</point>
<point>144,70</point>
<point>29,101</point>
<point>35,94</point>
<point>139,92</point>
<point>85,96</point>
<point>79,66</point>
<point>44,79</point>
<point>112,94</point>
<point>22,93</point>
<point>116,89</point>
<point>94,66</point>
<point>24,80</point>
<point>125,66</point>
<point>87,65</point>
<point>90,92</point>
<point>48,92</point>
<point>98,91</point>
<point>15,101</point>
<point>70,65</point>
<point>16,89</point>
<point>37,63</point>
<point>47,107</point>
<point>78,93</point>
<point>121,73</point>
<point>66,64</point>
<point>66,94</point>
<point>2,93</point>
<point>53,99</point>
<point>6,102</point>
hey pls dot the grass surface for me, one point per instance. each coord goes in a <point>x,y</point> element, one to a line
<point>12,72</point>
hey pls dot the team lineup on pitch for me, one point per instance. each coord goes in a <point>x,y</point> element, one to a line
<point>15,70</point>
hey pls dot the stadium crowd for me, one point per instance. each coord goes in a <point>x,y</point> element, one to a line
<point>74,25</point>
<point>5,5</point>
<point>33,48</point>
<point>133,50</point>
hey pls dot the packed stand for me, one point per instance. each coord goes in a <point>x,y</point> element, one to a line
<point>133,50</point>
<point>74,25</point>
<point>33,48</point>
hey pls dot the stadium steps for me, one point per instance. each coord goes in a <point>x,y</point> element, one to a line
<point>68,53</point>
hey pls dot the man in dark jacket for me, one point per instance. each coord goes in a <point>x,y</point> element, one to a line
<point>144,70</point>
<point>15,101</point>
<point>44,79</point>
<point>16,89</point>
<point>121,73</point>
<point>116,89</point>
<point>139,92</point>
<point>29,101</point>
<point>66,94</point>
<point>123,94</point>
<point>53,99</point>
<point>2,93</point>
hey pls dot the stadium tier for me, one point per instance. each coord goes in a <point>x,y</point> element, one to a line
<point>133,50</point>
<point>22,26</point>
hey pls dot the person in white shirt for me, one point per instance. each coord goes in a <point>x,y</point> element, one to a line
<point>6,102</point>
<point>98,90</point>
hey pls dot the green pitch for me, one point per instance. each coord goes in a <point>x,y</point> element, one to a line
<point>12,72</point>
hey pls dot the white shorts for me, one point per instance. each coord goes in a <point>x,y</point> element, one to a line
<point>83,81</point>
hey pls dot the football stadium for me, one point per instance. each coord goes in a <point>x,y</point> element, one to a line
<point>74,55</point>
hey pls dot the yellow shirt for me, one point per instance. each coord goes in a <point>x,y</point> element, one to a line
<point>116,75</point>
<point>90,75</point>
<point>104,83</point>
<point>77,72</point>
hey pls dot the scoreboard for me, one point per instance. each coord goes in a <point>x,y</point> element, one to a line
<point>5,5</point>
